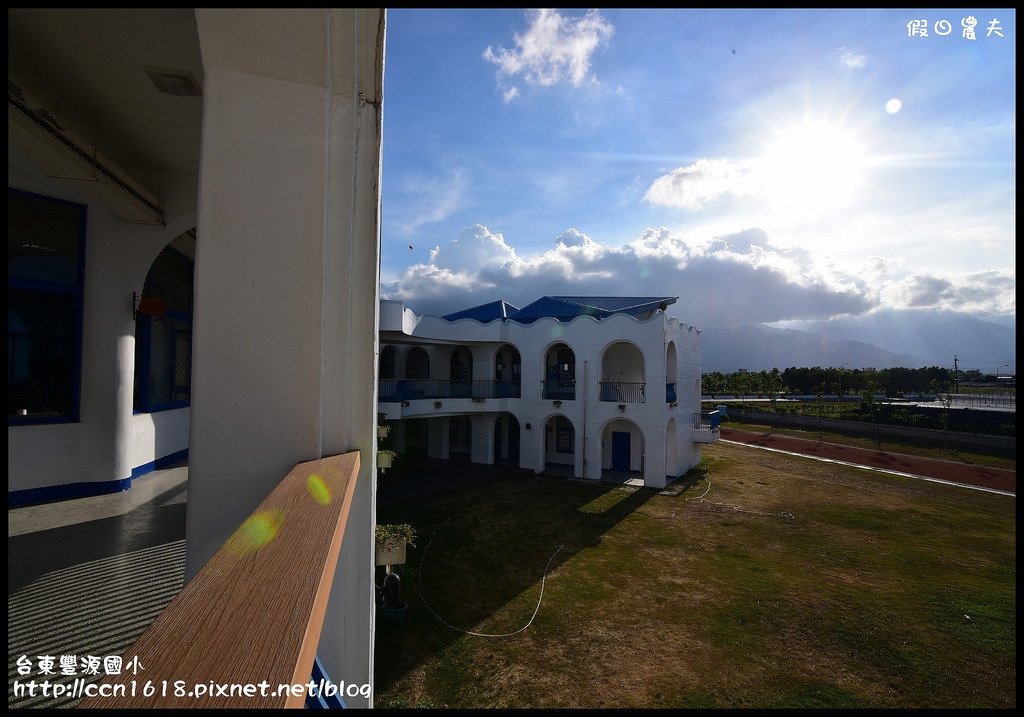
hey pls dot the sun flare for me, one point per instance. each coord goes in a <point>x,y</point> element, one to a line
<point>812,168</point>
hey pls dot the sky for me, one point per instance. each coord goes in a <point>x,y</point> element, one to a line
<point>767,166</point>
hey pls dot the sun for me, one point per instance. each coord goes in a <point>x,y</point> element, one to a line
<point>811,168</point>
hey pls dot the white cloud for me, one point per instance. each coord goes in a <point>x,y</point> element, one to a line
<point>853,60</point>
<point>729,279</point>
<point>572,237</point>
<point>475,248</point>
<point>702,182</point>
<point>749,282</point>
<point>552,50</point>
<point>989,292</point>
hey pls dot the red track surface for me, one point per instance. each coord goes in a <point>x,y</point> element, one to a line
<point>950,471</point>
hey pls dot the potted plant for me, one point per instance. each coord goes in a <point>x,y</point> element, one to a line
<point>384,458</point>
<point>390,541</point>
<point>383,431</point>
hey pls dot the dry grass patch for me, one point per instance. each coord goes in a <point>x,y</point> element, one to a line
<point>762,580</point>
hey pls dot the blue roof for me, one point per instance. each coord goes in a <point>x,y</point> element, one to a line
<point>566,308</point>
<point>499,309</point>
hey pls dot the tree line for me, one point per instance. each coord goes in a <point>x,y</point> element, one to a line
<point>829,381</point>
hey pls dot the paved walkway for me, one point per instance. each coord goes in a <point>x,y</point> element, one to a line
<point>948,471</point>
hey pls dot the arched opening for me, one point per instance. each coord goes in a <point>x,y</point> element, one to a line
<point>560,373</point>
<point>460,373</point>
<point>559,446</point>
<point>508,372</point>
<point>387,381</point>
<point>622,374</point>
<point>388,359</point>
<point>163,330</point>
<point>417,364</point>
<point>417,375</point>
<point>622,452</point>
<point>670,374</point>
<point>671,452</point>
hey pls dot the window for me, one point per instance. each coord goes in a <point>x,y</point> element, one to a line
<point>163,344</point>
<point>45,260</point>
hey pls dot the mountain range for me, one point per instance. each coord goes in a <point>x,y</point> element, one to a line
<point>912,339</point>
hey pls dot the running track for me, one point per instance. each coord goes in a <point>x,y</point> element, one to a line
<point>948,471</point>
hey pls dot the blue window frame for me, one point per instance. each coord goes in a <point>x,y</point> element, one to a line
<point>163,344</point>
<point>45,286</point>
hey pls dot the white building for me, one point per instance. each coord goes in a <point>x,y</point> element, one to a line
<point>593,387</point>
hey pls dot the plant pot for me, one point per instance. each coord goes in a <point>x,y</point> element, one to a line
<point>394,612</point>
<point>383,431</point>
<point>383,460</point>
<point>391,553</point>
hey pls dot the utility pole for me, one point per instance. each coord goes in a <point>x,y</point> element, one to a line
<point>956,375</point>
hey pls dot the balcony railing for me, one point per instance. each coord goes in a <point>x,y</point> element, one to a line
<point>393,390</point>
<point>253,614</point>
<point>623,391</point>
<point>560,390</point>
<point>706,426</point>
<point>706,421</point>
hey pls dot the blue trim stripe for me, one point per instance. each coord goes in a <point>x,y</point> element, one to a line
<point>159,463</point>
<point>54,493</point>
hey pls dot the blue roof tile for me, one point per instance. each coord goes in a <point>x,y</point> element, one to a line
<point>564,308</point>
<point>500,309</point>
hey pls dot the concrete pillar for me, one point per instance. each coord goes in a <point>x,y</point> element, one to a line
<point>286,284</point>
<point>483,449</point>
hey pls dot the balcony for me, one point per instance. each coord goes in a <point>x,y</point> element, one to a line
<point>560,390</point>
<point>623,391</point>
<point>706,426</point>
<point>395,390</point>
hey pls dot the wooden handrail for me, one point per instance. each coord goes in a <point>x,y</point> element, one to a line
<point>250,620</point>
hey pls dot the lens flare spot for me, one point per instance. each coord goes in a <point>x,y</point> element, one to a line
<point>318,489</point>
<point>256,532</point>
<point>893,106</point>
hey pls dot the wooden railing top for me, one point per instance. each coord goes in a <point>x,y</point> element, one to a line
<point>250,620</point>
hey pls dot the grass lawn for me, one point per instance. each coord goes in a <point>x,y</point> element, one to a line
<point>758,580</point>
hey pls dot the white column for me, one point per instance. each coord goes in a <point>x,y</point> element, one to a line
<point>286,284</point>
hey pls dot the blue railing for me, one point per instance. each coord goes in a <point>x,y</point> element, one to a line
<point>561,390</point>
<point>707,421</point>
<point>623,391</point>
<point>393,390</point>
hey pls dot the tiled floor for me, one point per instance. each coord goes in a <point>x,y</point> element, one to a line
<point>87,576</point>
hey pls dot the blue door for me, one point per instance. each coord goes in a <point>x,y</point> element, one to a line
<point>620,451</point>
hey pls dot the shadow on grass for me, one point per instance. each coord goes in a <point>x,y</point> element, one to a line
<point>482,553</point>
